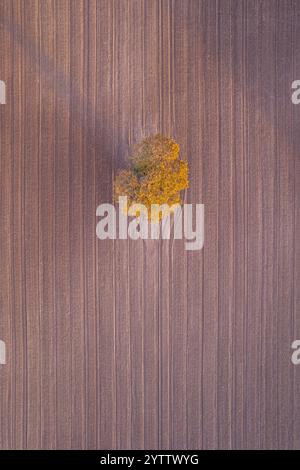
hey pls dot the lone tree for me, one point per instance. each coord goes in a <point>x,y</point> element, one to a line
<point>155,175</point>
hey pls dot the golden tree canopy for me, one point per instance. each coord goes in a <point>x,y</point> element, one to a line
<point>156,174</point>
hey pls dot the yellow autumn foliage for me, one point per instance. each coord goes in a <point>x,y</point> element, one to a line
<point>156,174</point>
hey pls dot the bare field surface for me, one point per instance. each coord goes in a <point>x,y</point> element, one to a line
<point>141,344</point>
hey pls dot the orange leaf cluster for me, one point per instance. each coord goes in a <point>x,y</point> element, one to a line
<point>156,174</point>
